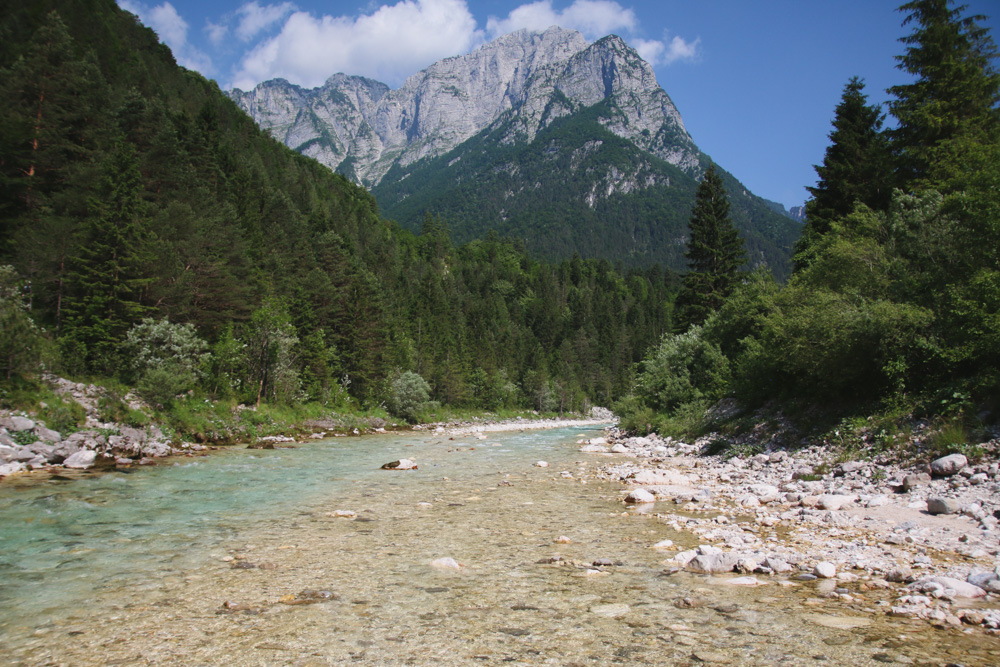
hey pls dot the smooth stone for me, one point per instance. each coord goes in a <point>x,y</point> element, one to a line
<point>17,424</point>
<point>640,496</point>
<point>542,464</point>
<point>838,622</point>
<point>833,502</point>
<point>660,477</point>
<point>11,468</point>
<point>611,610</point>
<point>619,449</point>
<point>825,570</point>
<point>946,466</point>
<point>916,479</point>
<point>963,589</point>
<point>712,563</point>
<point>663,544</point>
<point>766,493</point>
<point>446,564</point>
<point>81,460</point>
<point>939,505</point>
<point>741,581</point>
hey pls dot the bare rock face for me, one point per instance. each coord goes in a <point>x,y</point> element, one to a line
<point>526,79</point>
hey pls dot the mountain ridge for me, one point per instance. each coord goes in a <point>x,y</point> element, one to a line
<point>486,110</point>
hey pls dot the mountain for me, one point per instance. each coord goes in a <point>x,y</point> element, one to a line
<point>573,147</point>
<point>132,188</point>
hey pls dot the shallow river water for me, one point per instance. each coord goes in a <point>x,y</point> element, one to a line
<point>238,558</point>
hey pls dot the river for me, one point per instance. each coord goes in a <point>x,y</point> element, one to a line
<point>239,558</point>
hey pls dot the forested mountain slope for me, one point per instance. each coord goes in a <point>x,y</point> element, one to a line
<point>570,146</point>
<point>133,188</point>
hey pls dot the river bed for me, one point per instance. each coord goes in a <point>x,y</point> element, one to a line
<point>240,558</point>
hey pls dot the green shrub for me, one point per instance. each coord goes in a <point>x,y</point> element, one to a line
<point>683,368</point>
<point>407,395</point>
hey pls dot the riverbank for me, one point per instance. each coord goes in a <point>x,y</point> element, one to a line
<point>927,533</point>
<point>138,437</point>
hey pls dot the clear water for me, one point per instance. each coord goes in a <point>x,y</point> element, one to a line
<point>135,568</point>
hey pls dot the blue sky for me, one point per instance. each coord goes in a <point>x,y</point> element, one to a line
<point>755,81</point>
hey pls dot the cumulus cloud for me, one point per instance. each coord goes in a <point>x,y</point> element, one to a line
<point>668,51</point>
<point>254,18</point>
<point>216,32</point>
<point>172,30</point>
<point>593,18</point>
<point>389,44</point>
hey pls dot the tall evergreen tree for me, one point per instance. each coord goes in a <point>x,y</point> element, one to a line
<point>715,253</point>
<point>953,101</point>
<point>857,168</point>
<point>109,272</point>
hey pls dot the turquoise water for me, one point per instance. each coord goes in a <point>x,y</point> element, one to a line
<point>138,568</point>
<point>64,538</point>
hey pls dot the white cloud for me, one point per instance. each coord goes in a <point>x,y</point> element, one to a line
<point>216,32</point>
<point>388,44</point>
<point>681,50</point>
<point>254,18</point>
<point>593,18</point>
<point>172,29</point>
<point>668,51</point>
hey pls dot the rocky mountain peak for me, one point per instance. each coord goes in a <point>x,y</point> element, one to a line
<point>524,79</point>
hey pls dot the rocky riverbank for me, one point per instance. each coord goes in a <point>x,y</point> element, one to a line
<point>28,445</point>
<point>926,533</point>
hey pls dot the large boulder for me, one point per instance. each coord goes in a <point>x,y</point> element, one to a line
<point>11,468</point>
<point>956,587</point>
<point>47,434</point>
<point>17,424</point>
<point>946,466</point>
<point>713,563</point>
<point>82,460</point>
<point>639,497</point>
<point>939,505</point>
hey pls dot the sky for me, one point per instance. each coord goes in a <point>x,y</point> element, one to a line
<point>756,82</point>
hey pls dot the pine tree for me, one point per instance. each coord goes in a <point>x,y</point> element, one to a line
<point>715,253</point>
<point>857,168</point>
<point>953,101</point>
<point>109,272</point>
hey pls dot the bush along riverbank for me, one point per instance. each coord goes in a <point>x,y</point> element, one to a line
<point>71,425</point>
<point>924,531</point>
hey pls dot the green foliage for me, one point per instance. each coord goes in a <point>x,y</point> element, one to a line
<point>856,169</point>
<point>548,193</point>
<point>715,253</point>
<point>409,395</point>
<point>20,339</point>
<point>952,103</point>
<point>683,369</point>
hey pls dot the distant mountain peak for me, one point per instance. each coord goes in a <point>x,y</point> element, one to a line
<point>534,77</point>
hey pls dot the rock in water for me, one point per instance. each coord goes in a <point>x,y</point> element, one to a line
<point>81,460</point>
<point>825,570</point>
<point>401,464</point>
<point>446,564</point>
<point>640,496</point>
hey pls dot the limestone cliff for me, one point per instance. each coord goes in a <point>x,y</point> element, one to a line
<point>523,80</point>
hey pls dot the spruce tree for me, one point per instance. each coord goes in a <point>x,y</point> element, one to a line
<point>109,273</point>
<point>953,101</point>
<point>857,168</point>
<point>715,253</point>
